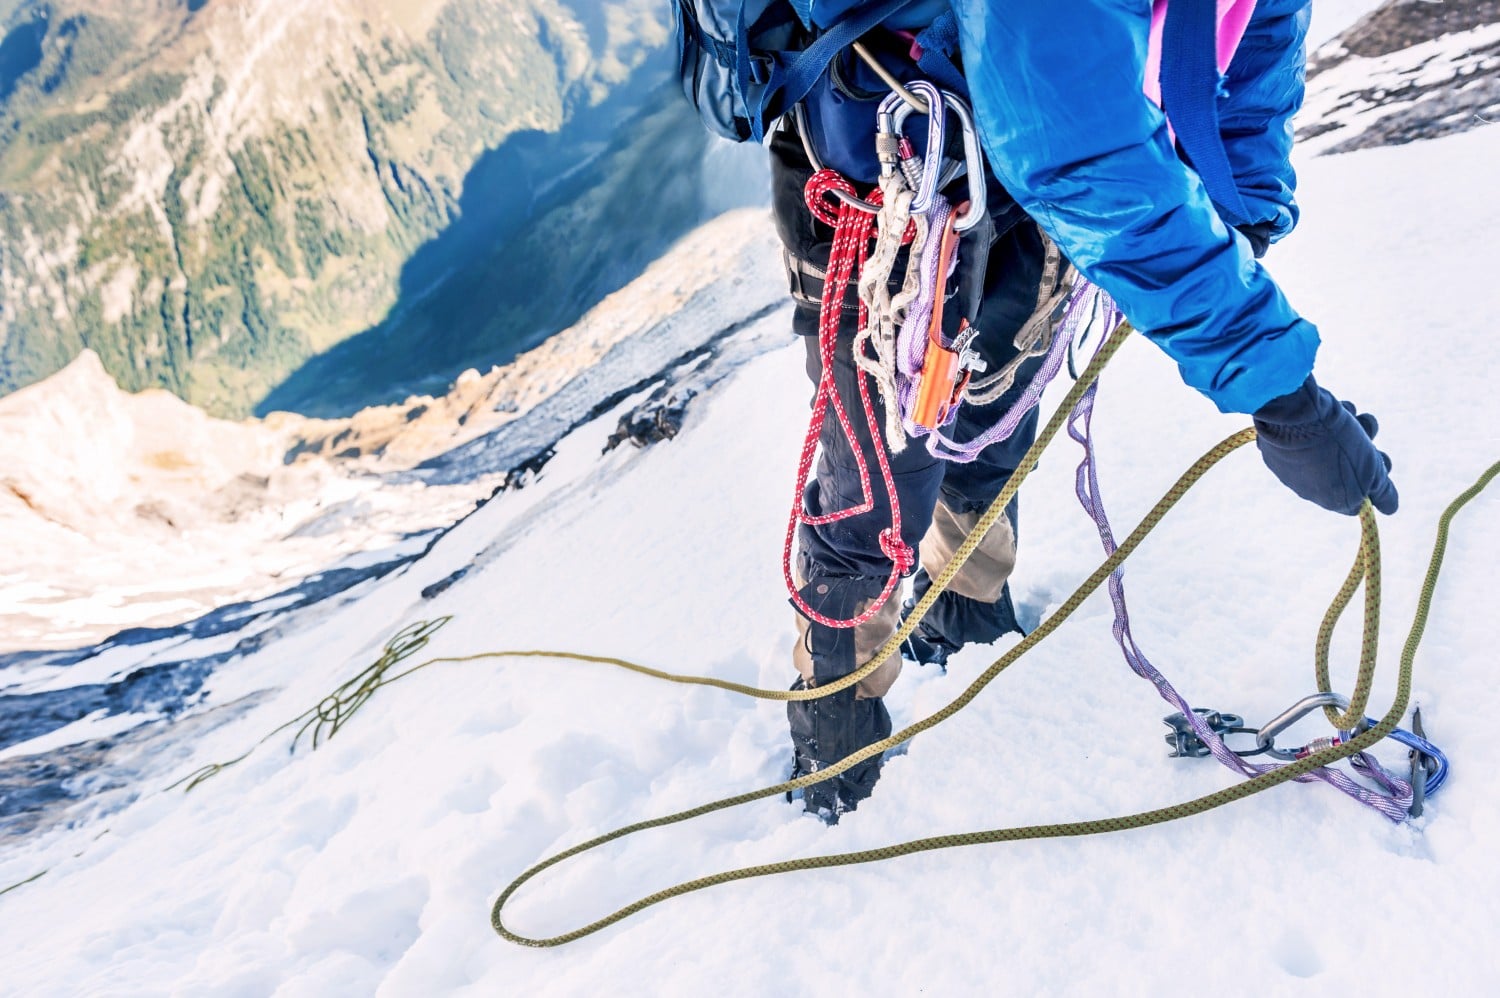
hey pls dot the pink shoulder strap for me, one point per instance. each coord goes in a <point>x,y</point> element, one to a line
<point>1234,18</point>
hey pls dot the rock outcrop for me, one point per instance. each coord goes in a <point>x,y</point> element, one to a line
<point>1410,70</point>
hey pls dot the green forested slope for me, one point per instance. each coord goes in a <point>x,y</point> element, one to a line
<point>210,193</point>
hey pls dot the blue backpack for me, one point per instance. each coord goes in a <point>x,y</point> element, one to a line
<point>745,63</point>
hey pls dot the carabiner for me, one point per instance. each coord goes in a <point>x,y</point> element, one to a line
<point>894,111</point>
<point>974,161</point>
<point>1265,740</point>
<point>1185,742</point>
<point>891,118</point>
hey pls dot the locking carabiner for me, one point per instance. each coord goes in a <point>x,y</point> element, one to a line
<point>894,150</point>
<point>890,145</point>
<point>1265,739</point>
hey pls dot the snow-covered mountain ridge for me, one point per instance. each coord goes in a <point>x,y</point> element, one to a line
<point>1410,70</point>
<point>369,865</point>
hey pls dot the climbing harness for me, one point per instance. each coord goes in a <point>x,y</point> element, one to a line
<point>1062,314</point>
<point>900,344</point>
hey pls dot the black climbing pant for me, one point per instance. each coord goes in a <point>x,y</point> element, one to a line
<point>841,567</point>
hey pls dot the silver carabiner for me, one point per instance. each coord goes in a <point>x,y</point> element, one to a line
<point>974,162</point>
<point>1265,738</point>
<point>894,111</point>
<point>799,122</point>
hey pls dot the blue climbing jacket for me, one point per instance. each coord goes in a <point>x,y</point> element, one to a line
<point>1056,88</point>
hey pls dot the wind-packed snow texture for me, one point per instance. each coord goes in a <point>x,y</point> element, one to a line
<point>369,865</point>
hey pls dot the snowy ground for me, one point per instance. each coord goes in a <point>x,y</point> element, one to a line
<point>369,865</point>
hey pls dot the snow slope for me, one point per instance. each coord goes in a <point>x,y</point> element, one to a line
<point>369,865</point>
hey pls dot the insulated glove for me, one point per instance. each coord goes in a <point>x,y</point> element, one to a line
<point>1322,450</point>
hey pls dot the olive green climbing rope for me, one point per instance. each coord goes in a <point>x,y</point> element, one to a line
<point>335,710</point>
<point>327,718</point>
<point>29,880</point>
<point>332,712</point>
<point>1366,570</point>
<point>329,715</point>
<point>1367,558</point>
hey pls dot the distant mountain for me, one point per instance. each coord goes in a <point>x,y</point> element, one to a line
<point>1410,70</point>
<point>210,193</point>
<point>142,502</point>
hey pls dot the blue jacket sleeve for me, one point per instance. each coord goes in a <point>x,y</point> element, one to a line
<point>1265,86</point>
<point>1057,93</point>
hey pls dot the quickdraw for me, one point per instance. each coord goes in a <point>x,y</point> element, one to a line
<point>1429,765</point>
<point>1198,732</point>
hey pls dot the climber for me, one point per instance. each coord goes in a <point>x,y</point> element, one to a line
<point>1067,98</point>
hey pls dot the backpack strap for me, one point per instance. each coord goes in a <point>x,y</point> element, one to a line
<point>939,45</point>
<point>782,85</point>
<point>1190,96</point>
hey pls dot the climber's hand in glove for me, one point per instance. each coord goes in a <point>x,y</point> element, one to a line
<point>1323,450</point>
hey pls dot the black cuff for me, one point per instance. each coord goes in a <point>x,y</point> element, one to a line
<point>1292,409</point>
<point>1259,236</point>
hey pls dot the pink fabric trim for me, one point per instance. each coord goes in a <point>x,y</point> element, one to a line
<point>1234,18</point>
<point>910,37</point>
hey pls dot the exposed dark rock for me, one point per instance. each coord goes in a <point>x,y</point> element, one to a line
<point>444,584</point>
<point>40,791</point>
<point>1400,24</point>
<point>510,446</point>
<point>1423,95</point>
<point>654,420</point>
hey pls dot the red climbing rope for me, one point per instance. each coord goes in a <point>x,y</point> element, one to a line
<point>851,245</point>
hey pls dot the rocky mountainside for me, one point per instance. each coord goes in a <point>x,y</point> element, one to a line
<point>1410,70</point>
<point>207,193</point>
<point>143,505</point>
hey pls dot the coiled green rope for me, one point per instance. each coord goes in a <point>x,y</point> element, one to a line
<point>1366,570</point>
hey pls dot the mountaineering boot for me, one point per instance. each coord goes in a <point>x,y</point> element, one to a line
<point>976,607</point>
<point>979,623</point>
<point>922,645</point>
<point>827,730</point>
